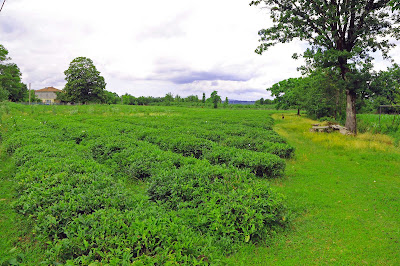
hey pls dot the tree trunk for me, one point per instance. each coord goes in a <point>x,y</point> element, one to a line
<point>298,111</point>
<point>351,120</point>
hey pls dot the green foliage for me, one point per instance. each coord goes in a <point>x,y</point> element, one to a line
<point>384,89</point>
<point>385,124</point>
<point>11,87</point>
<point>289,93</point>
<point>320,94</point>
<point>341,35</point>
<point>215,99</point>
<point>192,98</point>
<point>3,94</point>
<point>220,201</point>
<point>111,97</point>
<point>394,4</point>
<point>128,99</point>
<point>123,184</point>
<point>84,82</point>
<point>263,101</point>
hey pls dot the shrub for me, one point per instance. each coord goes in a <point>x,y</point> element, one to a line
<point>224,202</point>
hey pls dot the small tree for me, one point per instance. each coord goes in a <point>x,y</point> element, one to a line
<point>168,97</point>
<point>289,93</point>
<point>203,100</point>
<point>84,82</point>
<point>215,98</point>
<point>111,97</point>
<point>128,99</point>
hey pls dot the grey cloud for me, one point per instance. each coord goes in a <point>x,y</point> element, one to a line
<point>170,70</point>
<point>11,29</point>
<point>187,77</point>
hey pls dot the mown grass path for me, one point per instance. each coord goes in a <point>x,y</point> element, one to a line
<point>344,193</point>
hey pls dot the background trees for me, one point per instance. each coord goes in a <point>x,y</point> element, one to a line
<point>341,36</point>
<point>289,93</point>
<point>11,87</point>
<point>320,93</point>
<point>84,82</point>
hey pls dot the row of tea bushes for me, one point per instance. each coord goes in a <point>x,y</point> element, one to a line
<point>84,214</point>
<point>230,135</point>
<point>261,164</point>
<point>195,186</point>
<point>72,183</point>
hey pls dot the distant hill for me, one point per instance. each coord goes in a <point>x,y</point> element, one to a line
<point>241,102</point>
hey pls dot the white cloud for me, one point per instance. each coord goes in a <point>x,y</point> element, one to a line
<point>148,47</point>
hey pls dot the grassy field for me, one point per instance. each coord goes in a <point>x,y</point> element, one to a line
<point>384,124</point>
<point>342,192</point>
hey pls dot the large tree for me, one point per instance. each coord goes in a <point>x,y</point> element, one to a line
<point>84,82</point>
<point>341,35</point>
<point>11,87</point>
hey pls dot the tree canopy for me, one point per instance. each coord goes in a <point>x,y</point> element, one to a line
<point>11,87</point>
<point>341,36</point>
<point>84,82</point>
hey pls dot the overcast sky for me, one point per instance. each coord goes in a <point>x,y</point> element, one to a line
<point>148,48</point>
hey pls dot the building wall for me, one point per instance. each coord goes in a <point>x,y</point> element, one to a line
<point>46,96</point>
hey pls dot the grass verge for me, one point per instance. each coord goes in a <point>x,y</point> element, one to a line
<point>345,193</point>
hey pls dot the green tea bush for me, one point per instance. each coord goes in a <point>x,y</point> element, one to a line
<point>199,200</point>
<point>261,164</point>
<point>146,234</point>
<point>280,149</point>
<point>224,202</point>
<point>185,145</point>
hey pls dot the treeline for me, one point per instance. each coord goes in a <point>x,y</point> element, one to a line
<point>168,99</point>
<point>193,100</point>
<point>321,93</point>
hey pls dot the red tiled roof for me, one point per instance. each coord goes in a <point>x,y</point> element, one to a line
<point>47,89</point>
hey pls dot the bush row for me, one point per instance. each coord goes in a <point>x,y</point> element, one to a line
<point>191,186</point>
<point>193,212</point>
<point>84,214</point>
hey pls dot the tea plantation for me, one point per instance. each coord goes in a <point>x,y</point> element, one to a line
<point>121,184</point>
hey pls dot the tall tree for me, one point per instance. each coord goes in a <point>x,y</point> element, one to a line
<point>341,35</point>
<point>84,82</point>
<point>11,87</point>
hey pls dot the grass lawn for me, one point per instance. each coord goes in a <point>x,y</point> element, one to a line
<point>344,192</point>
